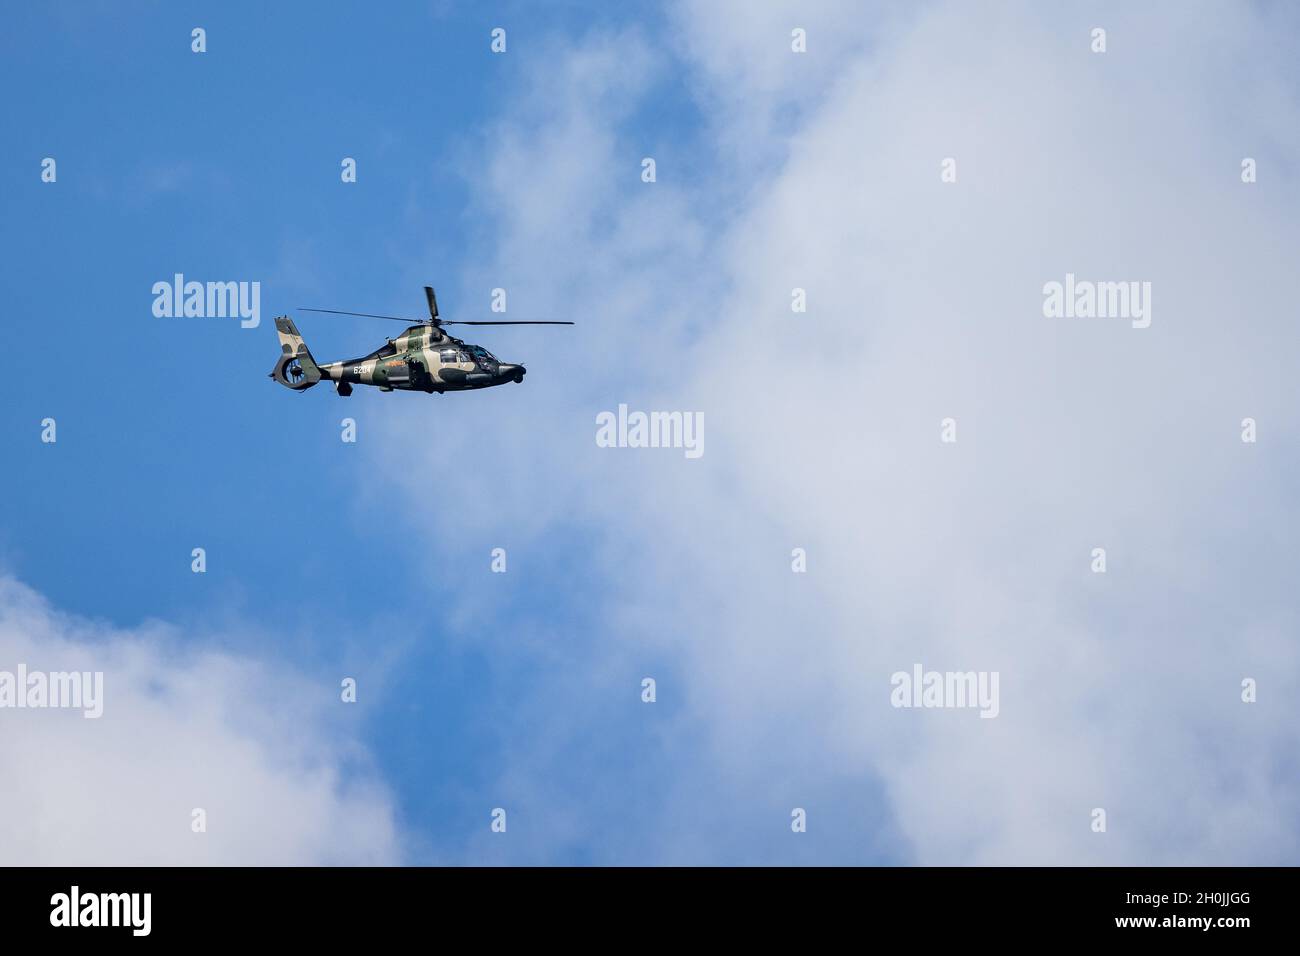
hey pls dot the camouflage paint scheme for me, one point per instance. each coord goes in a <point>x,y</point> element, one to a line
<point>424,358</point>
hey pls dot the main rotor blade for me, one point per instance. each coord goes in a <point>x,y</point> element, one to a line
<point>437,322</point>
<point>370,315</point>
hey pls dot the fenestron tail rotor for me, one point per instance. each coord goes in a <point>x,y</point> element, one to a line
<point>295,368</point>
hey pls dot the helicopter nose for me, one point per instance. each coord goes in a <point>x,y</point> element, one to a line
<point>508,371</point>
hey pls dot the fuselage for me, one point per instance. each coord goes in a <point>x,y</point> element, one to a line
<point>425,359</point>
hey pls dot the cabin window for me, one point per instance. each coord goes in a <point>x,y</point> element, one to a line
<point>449,356</point>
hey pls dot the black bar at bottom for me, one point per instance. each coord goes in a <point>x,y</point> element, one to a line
<point>332,906</point>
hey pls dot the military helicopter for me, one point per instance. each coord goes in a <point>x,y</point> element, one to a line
<point>424,358</point>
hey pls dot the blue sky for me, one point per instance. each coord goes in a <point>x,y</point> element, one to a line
<point>225,166</point>
<point>775,170</point>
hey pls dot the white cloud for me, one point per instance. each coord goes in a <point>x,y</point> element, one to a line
<point>1119,691</point>
<point>259,748</point>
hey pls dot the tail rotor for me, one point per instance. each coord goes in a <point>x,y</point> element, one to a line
<point>296,369</point>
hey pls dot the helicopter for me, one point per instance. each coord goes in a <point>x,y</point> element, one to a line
<point>424,358</point>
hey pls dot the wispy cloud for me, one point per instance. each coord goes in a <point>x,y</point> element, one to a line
<point>265,754</point>
<point>1119,690</point>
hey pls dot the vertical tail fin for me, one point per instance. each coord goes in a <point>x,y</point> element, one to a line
<point>296,368</point>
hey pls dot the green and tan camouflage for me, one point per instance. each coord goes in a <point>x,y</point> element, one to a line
<point>296,368</point>
<point>424,358</point>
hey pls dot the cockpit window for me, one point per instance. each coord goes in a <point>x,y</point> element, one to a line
<point>449,356</point>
